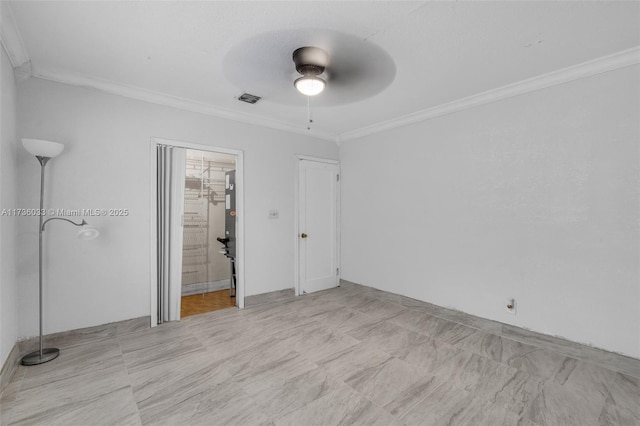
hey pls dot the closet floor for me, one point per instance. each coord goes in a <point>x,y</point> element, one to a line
<point>200,303</point>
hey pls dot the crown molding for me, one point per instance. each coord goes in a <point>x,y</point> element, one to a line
<point>11,38</point>
<point>163,99</point>
<point>586,69</point>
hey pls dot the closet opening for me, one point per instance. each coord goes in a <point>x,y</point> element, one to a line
<point>209,233</point>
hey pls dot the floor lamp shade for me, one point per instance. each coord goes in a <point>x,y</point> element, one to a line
<point>42,148</point>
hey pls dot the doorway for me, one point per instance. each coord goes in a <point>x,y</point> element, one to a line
<point>318,204</point>
<point>208,255</point>
<point>167,220</point>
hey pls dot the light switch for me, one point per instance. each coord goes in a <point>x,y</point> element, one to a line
<point>273,214</point>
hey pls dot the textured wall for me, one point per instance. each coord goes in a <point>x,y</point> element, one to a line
<point>534,197</point>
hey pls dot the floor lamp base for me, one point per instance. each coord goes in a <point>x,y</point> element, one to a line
<point>34,358</point>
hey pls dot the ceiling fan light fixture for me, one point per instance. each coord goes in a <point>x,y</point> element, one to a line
<point>310,85</point>
<point>310,62</point>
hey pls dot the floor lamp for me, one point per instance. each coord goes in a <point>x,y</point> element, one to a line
<point>44,151</point>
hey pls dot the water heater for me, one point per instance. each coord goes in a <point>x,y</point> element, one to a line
<point>230,213</point>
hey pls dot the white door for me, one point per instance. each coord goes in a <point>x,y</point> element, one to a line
<point>318,226</point>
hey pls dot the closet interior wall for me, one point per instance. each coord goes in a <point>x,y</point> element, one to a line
<point>204,268</point>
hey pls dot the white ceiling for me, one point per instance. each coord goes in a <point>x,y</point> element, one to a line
<point>203,55</point>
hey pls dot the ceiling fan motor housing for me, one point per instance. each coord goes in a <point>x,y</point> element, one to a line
<point>310,60</point>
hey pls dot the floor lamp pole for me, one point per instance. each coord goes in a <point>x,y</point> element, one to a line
<point>41,355</point>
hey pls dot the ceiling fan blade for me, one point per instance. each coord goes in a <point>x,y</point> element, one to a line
<point>357,68</point>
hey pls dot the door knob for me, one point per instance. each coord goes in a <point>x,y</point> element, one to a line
<point>303,235</point>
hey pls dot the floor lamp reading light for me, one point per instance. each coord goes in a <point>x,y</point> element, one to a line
<point>44,151</point>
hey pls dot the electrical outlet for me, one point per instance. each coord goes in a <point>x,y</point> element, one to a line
<point>511,306</point>
<point>274,214</point>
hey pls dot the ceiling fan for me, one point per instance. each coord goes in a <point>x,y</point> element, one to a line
<point>310,62</point>
<point>354,69</point>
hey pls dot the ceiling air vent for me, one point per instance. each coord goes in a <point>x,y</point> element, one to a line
<point>249,98</point>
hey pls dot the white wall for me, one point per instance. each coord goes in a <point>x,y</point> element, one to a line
<point>533,197</point>
<point>8,161</point>
<point>106,165</point>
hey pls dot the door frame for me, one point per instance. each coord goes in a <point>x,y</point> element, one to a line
<point>296,213</point>
<point>153,247</point>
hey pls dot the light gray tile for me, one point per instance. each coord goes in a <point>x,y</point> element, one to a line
<point>494,347</point>
<point>225,404</point>
<point>287,362</point>
<point>169,383</point>
<point>430,354</point>
<point>223,350</point>
<point>379,308</point>
<point>384,296</point>
<point>345,320</point>
<point>412,397</point>
<point>155,336</point>
<point>557,405</point>
<point>315,341</point>
<point>147,355</point>
<point>388,337</point>
<point>493,381</point>
<point>342,406</point>
<point>6,410</point>
<point>274,373</point>
<point>431,404</point>
<point>452,332</point>
<point>279,318</point>
<point>482,412</point>
<point>75,361</point>
<point>352,361</point>
<point>221,330</point>
<point>622,406</point>
<point>422,322</point>
<point>413,304</point>
<point>112,408</point>
<point>47,402</point>
<point>353,299</point>
<point>10,366</point>
<point>581,375</point>
<point>543,341</point>
<point>612,361</point>
<point>9,395</point>
<point>542,362</point>
<point>483,324</point>
<point>509,388</point>
<point>311,307</point>
<point>334,295</point>
<point>259,357</point>
<point>282,397</point>
<point>383,383</point>
<point>10,391</point>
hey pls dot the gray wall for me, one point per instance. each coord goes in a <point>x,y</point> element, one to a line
<point>8,232</point>
<point>107,140</point>
<point>534,197</point>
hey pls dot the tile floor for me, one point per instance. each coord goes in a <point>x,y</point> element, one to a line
<point>351,355</point>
